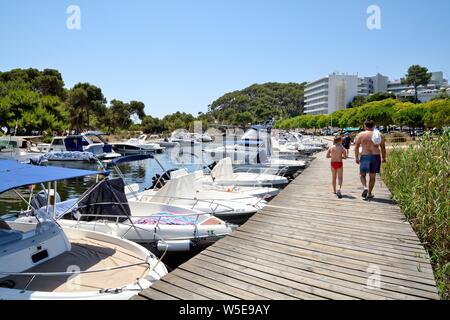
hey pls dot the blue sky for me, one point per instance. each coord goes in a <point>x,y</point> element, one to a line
<point>182,55</point>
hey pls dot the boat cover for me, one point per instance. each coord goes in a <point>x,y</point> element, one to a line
<point>178,173</point>
<point>14,174</point>
<point>181,187</point>
<point>63,156</point>
<point>223,169</point>
<point>105,199</point>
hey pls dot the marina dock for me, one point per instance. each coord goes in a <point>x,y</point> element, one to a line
<point>307,244</point>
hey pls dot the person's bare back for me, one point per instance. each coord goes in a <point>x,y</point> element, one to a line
<point>337,153</point>
<point>364,139</point>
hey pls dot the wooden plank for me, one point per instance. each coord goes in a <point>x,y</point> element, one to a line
<point>307,291</point>
<point>330,257</point>
<point>153,294</point>
<point>226,285</point>
<point>176,291</point>
<point>356,253</point>
<point>387,241</point>
<point>384,229</point>
<point>350,280</point>
<point>320,281</point>
<point>328,239</point>
<point>327,259</point>
<point>342,224</point>
<point>265,288</point>
<point>196,287</point>
<point>357,275</point>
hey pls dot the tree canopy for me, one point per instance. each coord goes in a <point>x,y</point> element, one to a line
<point>259,102</point>
<point>417,76</point>
<point>37,100</point>
<point>432,114</point>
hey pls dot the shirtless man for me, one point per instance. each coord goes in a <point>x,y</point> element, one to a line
<point>370,158</point>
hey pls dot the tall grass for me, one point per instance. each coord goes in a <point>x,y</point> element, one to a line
<point>419,179</point>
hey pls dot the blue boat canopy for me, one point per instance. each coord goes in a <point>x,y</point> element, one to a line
<point>14,174</point>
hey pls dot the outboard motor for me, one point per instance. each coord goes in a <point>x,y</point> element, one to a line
<point>212,165</point>
<point>158,181</point>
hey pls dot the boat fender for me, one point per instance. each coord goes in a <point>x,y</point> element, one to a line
<point>174,245</point>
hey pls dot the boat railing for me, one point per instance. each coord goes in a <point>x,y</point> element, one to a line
<point>281,171</point>
<point>150,268</point>
<point>211,203</point>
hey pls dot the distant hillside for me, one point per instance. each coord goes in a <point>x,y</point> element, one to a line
<point>259,102</point>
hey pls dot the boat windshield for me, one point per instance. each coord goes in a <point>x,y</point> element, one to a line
<point>96,139</point>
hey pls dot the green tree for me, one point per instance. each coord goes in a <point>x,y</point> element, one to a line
<point>323,121</point>
<point>357,101</point>
<point>379,111</point>
<point>379,96</point>
<point>152,125</point>
<point>437,114</point>
<point>83,100</point>
<point>417,76</point>
<point>261,100</point>
<point>49,82</point>
<point>409,114</point>
<point>14,104</point>
<point>243,118</point>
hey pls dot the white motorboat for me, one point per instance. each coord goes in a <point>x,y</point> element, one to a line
<point>222,174</point>
<point>295,141</point>
<point>137,146</point>
<point>184,191</point>
<point>184,138</point>
<point>163,142</point>
<point>256,153</point>
<point>203,137</point>
<point>41,260</point>
<point>286,149</point>
<point>162,227</point>
<point>75,147</point>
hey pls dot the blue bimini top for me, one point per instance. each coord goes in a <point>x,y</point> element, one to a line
<point>14,174</point>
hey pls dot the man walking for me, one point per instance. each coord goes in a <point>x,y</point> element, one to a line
<point>346,142</point>
<point>370,158</point>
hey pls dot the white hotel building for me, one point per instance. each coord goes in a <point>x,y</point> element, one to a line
<point>335,91</point>
<point>331,93</point>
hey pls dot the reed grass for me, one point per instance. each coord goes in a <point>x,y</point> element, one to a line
<point>419,179</point>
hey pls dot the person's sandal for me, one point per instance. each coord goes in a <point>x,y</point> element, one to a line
<point>370,196</point>
<point>365,193</point>
<point>339,194</point>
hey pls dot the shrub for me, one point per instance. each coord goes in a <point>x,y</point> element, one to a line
<point>418,178</point>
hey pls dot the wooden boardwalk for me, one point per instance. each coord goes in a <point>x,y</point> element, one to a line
<point>307,244</point>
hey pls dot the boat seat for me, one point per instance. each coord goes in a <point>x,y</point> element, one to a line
<point>8,236</point>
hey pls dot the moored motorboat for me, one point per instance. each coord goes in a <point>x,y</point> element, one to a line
<point>184,191</point>
<point>137,146</point>
<point>39,259</point>
<point>75,147</point>
<point>222,174</point>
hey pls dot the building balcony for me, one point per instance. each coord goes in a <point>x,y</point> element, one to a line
<point>313,86</point>
<point>323,91</point>
<point>315,104</point>
<point>323,98</point>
